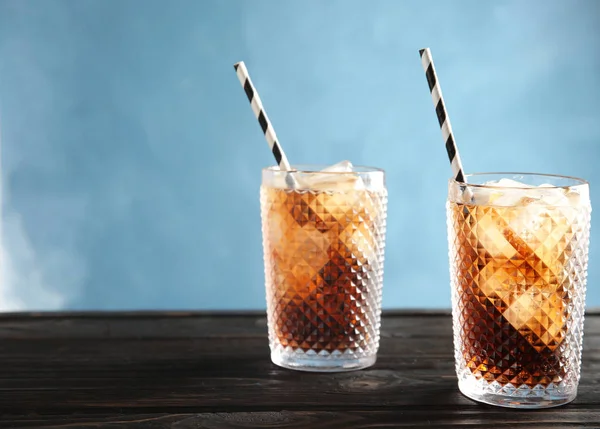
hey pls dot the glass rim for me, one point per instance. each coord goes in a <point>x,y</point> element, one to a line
<point>317,168</point>
<point>577,181</point>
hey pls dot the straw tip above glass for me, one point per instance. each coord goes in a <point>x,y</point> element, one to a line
<point>422,51</point>
<point>261,116</point>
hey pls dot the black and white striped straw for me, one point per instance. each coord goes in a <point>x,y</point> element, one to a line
<point>442,115</point>
<point>261,115</point>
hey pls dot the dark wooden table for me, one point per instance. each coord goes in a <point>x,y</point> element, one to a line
<point>199,370</point>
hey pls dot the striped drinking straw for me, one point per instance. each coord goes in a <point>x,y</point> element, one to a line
<point>440,109</point>
<point>443,119</point>
<point>263,119</point>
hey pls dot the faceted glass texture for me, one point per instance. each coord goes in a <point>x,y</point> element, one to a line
<point>323,255</point>
<point>518,278</point>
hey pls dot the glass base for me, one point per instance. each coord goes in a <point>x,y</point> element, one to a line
<point>300,361</point>
<point>524,398</point>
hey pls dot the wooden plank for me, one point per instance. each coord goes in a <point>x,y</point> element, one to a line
<point>191,325</point>
<point>210,373</point>
<point>68,352</point>
<point>158,314</point>
<point>472,416</point>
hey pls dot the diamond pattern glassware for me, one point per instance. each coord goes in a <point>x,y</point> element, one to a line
<point>323,254</point>
<point>518,266</point>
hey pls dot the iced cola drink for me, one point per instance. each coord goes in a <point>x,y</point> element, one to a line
<point>518,260</point>
<point>323,240</point>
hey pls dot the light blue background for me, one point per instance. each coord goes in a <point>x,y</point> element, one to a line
<point>131,159</point>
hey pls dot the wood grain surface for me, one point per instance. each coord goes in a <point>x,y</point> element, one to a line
<point>212,370</point>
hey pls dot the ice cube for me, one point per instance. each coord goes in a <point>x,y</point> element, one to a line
<point>507,183</point>
<point>498,193</point>
<point>507,193</point>
<point>508,198</point>
<point>340,167</point>
<point>574,197</point>
<point>504,192</point>
<point>329,181</point>
<point>552,196</point>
